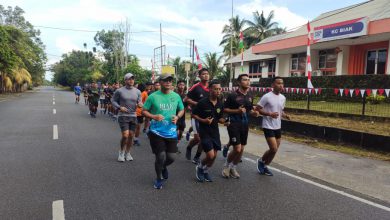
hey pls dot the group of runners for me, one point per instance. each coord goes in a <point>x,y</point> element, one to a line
<point>161,108</point>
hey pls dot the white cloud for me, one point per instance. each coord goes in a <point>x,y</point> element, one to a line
<point>84,11</point>
<point>282,14</point>
<point>65,44</point>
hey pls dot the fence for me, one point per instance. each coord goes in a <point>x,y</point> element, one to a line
<point>364,102</point>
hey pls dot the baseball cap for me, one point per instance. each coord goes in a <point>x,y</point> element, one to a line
<point>128,76</point>
<point>165,76</point>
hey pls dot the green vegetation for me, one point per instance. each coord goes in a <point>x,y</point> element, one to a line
<point>22,55</point>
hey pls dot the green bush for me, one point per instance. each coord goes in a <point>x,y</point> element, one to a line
<point>374,100</point>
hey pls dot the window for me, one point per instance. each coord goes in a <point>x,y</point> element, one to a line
<point>298,62</point>
<point>271,65</point>
<point>327,59</point>
<point>254,67</point>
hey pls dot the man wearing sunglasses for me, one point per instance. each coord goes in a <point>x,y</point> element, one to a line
<point>126,99</point>
<point>164,108</point>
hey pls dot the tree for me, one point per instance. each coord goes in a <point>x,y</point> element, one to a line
<point>213,64</point>
<point>77,66</point>
<point>232,35</point>
<point>25,43</point>
<point>261,27</point>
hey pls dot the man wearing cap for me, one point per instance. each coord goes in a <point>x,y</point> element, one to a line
<point>164,108</point>
<point>126,99</point>
<point>238,105</point>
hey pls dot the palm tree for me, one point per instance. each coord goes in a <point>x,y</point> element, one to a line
<point>261,27</point>
<point>213,64</point>
<point>232,34</point>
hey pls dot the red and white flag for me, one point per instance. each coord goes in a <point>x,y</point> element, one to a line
<point>198,59</point>
<point>308,59</point>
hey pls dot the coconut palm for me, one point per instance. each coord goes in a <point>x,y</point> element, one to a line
<point>261,27</point>
<point>213,64</point>
<point>232,35</point>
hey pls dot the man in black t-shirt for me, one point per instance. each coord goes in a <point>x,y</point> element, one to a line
<point>209,112</point>
<point>238,105</point>
<point>195,94</point>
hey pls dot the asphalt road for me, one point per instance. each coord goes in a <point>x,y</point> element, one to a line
<point>80,169</point>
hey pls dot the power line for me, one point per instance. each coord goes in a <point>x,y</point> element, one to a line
<point>81,30</point>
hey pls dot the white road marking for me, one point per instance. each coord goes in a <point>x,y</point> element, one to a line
<point>58,210</point>
<point>54,103</point>
<point>54,111</point>
<point>325,187</point>
<point>55,132</point>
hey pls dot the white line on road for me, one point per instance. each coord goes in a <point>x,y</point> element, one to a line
<point>58,210</point>
<point>325,187</point>
<point>54,103</point>
<point>55,132</point>
<point>54,111</point>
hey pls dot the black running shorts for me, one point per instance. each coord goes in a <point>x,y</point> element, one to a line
<point>160,144</point>
<point>272,133</point>
<point>238,133</point>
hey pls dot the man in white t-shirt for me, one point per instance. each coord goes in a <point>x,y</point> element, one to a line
<point>271,106</point>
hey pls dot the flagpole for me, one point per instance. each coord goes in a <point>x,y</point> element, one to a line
<point>231,51</point>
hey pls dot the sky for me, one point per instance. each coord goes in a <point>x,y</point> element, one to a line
<point>181,20</point>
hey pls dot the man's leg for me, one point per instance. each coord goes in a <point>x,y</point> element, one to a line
<point>273,145</point>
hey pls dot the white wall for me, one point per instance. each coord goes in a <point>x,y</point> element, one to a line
<point>237,69</point>
<point>283,65</point>
<point>315,56</point>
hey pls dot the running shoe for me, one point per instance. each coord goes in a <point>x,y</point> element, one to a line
<point>196,160</point>
<point>136,143</point>
<point>207,177</point>
<point>188,153</point>
<point>158,184</point>
<point>199,174</point>
<point>226,171</point>
<point>234,174</point>
<point>267,172</point>
<point>121,157</point>
<point>165,173</point>
<point>225,150</point>
<point>129,157</point>
<point>260,166</point>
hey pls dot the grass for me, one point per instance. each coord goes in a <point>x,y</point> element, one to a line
<point>355,108</point>
<point>342,148</point>
<point>380,128</point>
<point>382,110</point>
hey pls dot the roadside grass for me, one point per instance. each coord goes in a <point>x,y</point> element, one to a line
<point>372,127</point>
<point>342,148</point>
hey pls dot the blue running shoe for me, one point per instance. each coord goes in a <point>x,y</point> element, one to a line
<point>267,172</point>
<point>199,174</point>
<point>225,151</point>
<point>165,173</point>
<point>136,143</point>
<point>158,184</point>
<point>207,177</point>
<point>260,166</point>
<point>188,136</point>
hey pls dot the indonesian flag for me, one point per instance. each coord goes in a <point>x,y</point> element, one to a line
<point>198,59</point>
<point>242,51</point>
<point>308,65</point>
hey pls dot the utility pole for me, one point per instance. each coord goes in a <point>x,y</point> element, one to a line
<point>231,51</point>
